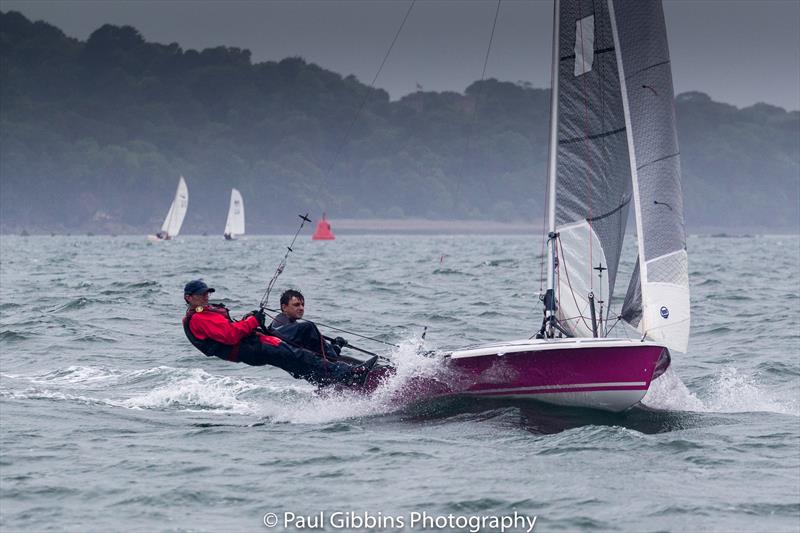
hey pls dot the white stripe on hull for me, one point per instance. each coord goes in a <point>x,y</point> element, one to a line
<point>569,386</point>
<point>615,401</point>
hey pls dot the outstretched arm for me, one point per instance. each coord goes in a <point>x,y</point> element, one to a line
<point>216,327</point>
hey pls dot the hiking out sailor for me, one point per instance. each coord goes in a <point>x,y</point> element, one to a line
<point>211,330</point>
<point>293,306</point>
<point>289,326</point>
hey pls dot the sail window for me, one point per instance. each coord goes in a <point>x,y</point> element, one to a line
<point>584,45</point>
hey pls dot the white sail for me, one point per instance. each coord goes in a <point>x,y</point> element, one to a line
<point>590,179</point>
<point>177,211</point>
<point>235,223</point>
<point>657,303</point>
<point>613,140</point>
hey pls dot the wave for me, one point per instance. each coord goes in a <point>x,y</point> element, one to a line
<point>331,406</point>
<point>728,392</point>
<point>74,375</point>
<point>500,262</point>
<point>76,303</point>
<point>197,390</point>
<point>168,388</point>
<point>141,287</point>
<point>8,335</point>
<point>451,272</point>
<point>33,393</point>
<point>285,401</point>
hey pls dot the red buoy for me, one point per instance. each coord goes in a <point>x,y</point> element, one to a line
<point>323,231</point>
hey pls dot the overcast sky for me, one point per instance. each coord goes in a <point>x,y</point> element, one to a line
<point>738,51</point>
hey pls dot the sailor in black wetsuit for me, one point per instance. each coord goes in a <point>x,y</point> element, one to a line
<point>288,326</point>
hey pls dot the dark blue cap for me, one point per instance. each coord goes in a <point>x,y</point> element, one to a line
<point>196,286</point>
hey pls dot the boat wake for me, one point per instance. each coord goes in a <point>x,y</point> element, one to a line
<point>159,388</point>
<point>265,393</point>
<point>275,398</point>
<point>729,391</point>
<point>391,395</point>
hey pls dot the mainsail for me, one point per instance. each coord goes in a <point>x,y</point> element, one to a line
<point>235,223</point>
<point>612,140</point>
<point>177,211</point>
<point>591,178</point>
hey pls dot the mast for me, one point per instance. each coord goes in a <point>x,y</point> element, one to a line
<point>550,300</point>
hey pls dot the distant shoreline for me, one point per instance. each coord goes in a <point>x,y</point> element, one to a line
<point>422,225</point>
<point>400,226</point>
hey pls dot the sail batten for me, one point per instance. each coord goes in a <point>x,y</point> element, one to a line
<point>592,137</point>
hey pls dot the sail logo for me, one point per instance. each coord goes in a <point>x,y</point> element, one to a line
<point>664,312</point>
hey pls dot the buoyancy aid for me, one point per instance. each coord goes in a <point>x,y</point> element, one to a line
<point>210,347</point>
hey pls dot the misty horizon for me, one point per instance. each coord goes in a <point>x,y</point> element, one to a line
<point>96,132</point>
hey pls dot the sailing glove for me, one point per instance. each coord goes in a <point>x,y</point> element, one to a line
<point>340,342</point>
<point>260,317</point>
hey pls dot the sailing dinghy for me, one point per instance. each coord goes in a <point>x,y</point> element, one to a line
<point>177,212</point>
<point>612,143</point>
<point>234,225</point>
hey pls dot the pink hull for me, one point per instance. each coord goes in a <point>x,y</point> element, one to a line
<point>567,370</point>
<point>594,373</point>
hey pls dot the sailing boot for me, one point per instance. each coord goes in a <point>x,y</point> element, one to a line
<point>361,372</point>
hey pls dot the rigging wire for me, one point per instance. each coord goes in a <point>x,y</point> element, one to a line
<point>572,292</point>
<point>588,155</point>
<point>367,94</point>
<point>545,233</point>
<point>491,39</point>
<point>617,321</point>
<point>282,264</point>
<point>478,98</point>
<point>335,159</point>
<point>358,335</point>
<point>353,333</point>
<point>554,73</point>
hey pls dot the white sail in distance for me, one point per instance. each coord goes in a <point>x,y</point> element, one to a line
<point>235,223</point>
<point>177,211</point>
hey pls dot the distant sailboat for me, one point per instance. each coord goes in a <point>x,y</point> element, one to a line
<point>323,231</point>
<point>234,226</point>
<point>177,212</point>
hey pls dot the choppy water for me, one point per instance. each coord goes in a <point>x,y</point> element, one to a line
<point>112,421</point>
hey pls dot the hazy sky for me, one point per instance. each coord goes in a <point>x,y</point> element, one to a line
<point>738,51</point>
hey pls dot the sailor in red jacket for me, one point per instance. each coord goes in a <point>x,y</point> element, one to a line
<point>210,329</point>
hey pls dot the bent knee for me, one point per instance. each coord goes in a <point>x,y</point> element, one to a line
<point>270,340</point>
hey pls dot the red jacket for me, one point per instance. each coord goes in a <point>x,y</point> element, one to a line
<point>215,323</point>
<point>211,330</point>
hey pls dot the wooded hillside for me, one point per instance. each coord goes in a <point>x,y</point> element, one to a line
<point>94,134</point>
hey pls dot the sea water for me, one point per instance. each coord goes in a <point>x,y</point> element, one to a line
<point>112,421</point>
